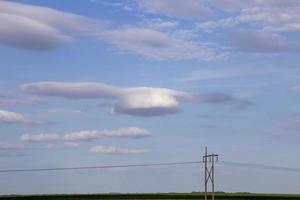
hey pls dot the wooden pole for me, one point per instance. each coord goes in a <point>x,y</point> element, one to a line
<point>213,178</point>
<point>205,160</point>
<point>209,173</point>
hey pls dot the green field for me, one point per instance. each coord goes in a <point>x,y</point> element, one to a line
<point>179,196</point>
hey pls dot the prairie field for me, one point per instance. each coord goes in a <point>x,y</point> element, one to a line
<point>165,196</point>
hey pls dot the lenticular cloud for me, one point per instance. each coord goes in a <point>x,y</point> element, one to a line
<point>140,101</point>
<point>38,28</point>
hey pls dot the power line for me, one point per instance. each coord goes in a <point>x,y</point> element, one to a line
<point>228,163</point>
<point>258,166</point>
<point>99,167</point>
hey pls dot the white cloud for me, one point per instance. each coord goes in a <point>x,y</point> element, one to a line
<point>40,137</point>
<point>12,117</point>
<point>129,132</point>
<point>39,28</point>
<point>115,150</point>
<point>140,101</point>
<point>187,9</point>
<point>145,101</point>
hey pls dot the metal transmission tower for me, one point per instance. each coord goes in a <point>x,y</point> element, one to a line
<point>210,159</point>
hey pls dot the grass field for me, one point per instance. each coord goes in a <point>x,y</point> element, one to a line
<point>178,196</point>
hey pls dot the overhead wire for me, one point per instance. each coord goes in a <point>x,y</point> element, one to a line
<point>220,163</point>
<point>100,167</point>
<point>259,166</point>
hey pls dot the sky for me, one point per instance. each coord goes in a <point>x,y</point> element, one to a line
<point>99,82</point>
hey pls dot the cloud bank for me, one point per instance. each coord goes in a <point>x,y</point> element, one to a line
<point>73,139</point>
<point>87,135</point>
<point>42,29</point>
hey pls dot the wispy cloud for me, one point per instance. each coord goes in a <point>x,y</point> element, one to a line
<point>10,146</point>
<point>256,26</point>
<point>73,139</point>
<point>129,132</point>
<point>62,111</point>
<point>72,90</point>
<point>159,24</point>
<point>115,150</point>
<point>87,135</point>
<point>40,137</point>
<point>296,88</point>
<point>161,45</point>
<point>292,125</point>
<point>221,98</point>
<point>188,9</point>
<point>218,73</point>
<point>7,100</point>
<point>12,149</point>
<point>274,16</point>
<point>263,42</point>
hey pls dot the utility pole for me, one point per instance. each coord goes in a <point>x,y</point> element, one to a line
<point>210,159</point>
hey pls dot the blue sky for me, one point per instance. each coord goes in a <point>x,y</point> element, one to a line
<point>98,82</point>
